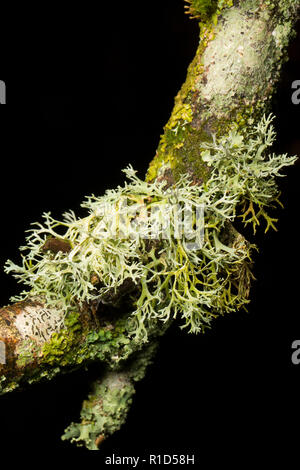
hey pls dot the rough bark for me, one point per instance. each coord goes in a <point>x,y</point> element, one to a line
<point>229,85</point>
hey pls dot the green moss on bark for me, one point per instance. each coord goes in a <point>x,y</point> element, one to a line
<point>230,81</point>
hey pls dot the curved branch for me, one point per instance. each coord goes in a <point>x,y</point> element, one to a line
<point>229,86</point>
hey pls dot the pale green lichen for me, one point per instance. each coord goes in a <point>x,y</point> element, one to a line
<point>106,408</point>
<point>26,352</point>
<point>172,278</point>
<point>203,10</point>
<point>103,413</point>
<point>231,79</point>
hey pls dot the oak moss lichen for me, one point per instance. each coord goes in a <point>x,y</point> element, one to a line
<point>172,278</point>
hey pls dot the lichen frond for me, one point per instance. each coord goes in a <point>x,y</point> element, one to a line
<point>176,276</point>
<point>243,165</point>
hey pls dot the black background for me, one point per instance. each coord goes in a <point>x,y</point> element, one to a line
<point>88,91</point>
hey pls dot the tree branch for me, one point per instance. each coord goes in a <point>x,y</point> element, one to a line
<point>228,88</point>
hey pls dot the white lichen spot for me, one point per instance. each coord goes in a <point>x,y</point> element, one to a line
<point>174,278</point>
<point>234,53</point>
<point>39,323</point>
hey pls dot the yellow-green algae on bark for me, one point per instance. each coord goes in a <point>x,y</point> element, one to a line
<point>229,83</point>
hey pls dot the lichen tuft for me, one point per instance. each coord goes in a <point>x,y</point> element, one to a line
<point>171,276</point>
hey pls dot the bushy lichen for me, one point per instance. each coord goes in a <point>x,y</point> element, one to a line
<point>172,279</point>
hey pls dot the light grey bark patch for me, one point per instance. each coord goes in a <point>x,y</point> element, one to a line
<point>2,92</point>
<point>236,60</point>
<point>2,353</point>
<point>39,323</point>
